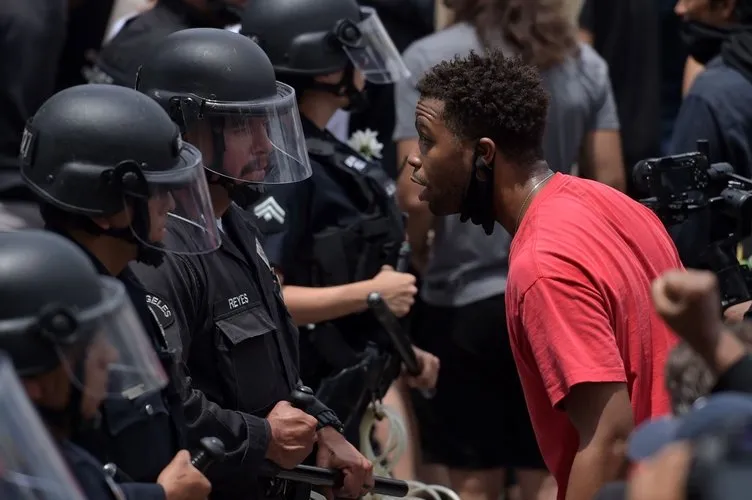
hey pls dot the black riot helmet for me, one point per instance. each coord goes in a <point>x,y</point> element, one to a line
<point>56,309</point>
<point>306,38</point>
<point>104,151</point>
<point>220,88</point>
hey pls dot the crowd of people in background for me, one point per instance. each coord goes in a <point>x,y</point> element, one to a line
<point>624,81</point>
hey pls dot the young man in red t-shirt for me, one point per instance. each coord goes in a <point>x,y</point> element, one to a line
<point>587,343</point>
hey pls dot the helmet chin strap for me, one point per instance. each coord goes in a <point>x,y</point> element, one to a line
<point>151,254</point>
<point>357,99</point>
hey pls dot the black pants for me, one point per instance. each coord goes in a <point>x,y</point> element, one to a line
<point>478,418</point>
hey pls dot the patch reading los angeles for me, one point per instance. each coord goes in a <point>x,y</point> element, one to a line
<point>161,310</point>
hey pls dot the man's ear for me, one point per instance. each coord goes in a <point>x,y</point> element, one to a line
<point>486,150</point>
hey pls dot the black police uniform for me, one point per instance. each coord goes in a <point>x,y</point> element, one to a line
<point>140,434</point>
<point>95,483</point>
<point>225,310</point>
<point>347,216</point>
<point>119,60</point>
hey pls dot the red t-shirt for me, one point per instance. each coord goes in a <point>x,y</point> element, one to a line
<point>579,307</point>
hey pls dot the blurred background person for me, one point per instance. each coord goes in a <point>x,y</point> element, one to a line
<point>717,107</point>
<point>32,33</point>
<point>119,59</point>
<point>704,26</point>
<point>639,40</point>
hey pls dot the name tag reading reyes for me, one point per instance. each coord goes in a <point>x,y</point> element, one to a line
<point>237,301</point>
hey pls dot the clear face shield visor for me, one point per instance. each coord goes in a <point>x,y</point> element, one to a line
<point>370,48</point>
<point>30,465</point>
<point>106,352</point>
<point>173,210</point>
<point>255,142</point>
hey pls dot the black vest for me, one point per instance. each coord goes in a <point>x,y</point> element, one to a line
<point>347,250</point>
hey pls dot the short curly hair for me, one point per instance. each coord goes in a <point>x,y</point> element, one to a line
<point>688,378</point>
<point>492,96</point>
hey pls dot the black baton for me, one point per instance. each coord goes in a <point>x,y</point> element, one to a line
<point>318,476</point>
<point>400,341</point>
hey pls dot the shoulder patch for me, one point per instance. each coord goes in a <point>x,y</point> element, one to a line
<point>161,310</point>
<point>356,163</point>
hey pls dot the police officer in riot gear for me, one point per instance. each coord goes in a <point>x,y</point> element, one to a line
<point>114,176</point>
<point>346,215</point>
<point>32,466</point>
<point>118,61</point>
<point>224,311</point>
<point>75,341</point>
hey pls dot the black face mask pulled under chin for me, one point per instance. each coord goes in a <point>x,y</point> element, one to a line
<point>478,203</point>
<point>357,100</point>
<point>244,195</point>
<point>703,41</point>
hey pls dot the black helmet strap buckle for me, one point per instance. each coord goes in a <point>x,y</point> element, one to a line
<point>56,323</point>
<point>347,34</point>
<point>128,178</point>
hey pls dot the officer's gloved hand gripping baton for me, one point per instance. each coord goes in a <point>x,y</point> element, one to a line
<point>210,450</point>
<point>401,342</point>
<point>301,398</point>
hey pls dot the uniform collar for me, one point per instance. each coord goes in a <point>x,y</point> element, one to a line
<point>311,131</point>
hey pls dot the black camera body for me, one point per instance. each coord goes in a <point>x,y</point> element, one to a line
<point>681,185</point>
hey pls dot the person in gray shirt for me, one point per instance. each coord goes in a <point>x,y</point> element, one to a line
<point>464,270</point>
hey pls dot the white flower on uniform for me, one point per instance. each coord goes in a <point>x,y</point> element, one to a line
<point>365,143</point>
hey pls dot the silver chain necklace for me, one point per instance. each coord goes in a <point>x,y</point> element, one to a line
<point>527,199</point>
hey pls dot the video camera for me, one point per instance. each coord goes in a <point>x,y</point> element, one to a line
<point>681,185</point>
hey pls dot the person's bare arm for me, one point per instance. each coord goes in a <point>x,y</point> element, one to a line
<point>691,69</point>
<point>420,220</point>
<point>602,415</point>
<point>316,305</point>
<point>601,159</point>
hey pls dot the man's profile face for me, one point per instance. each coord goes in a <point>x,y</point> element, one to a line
<point>442,164</point>
<point>247,149</point>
